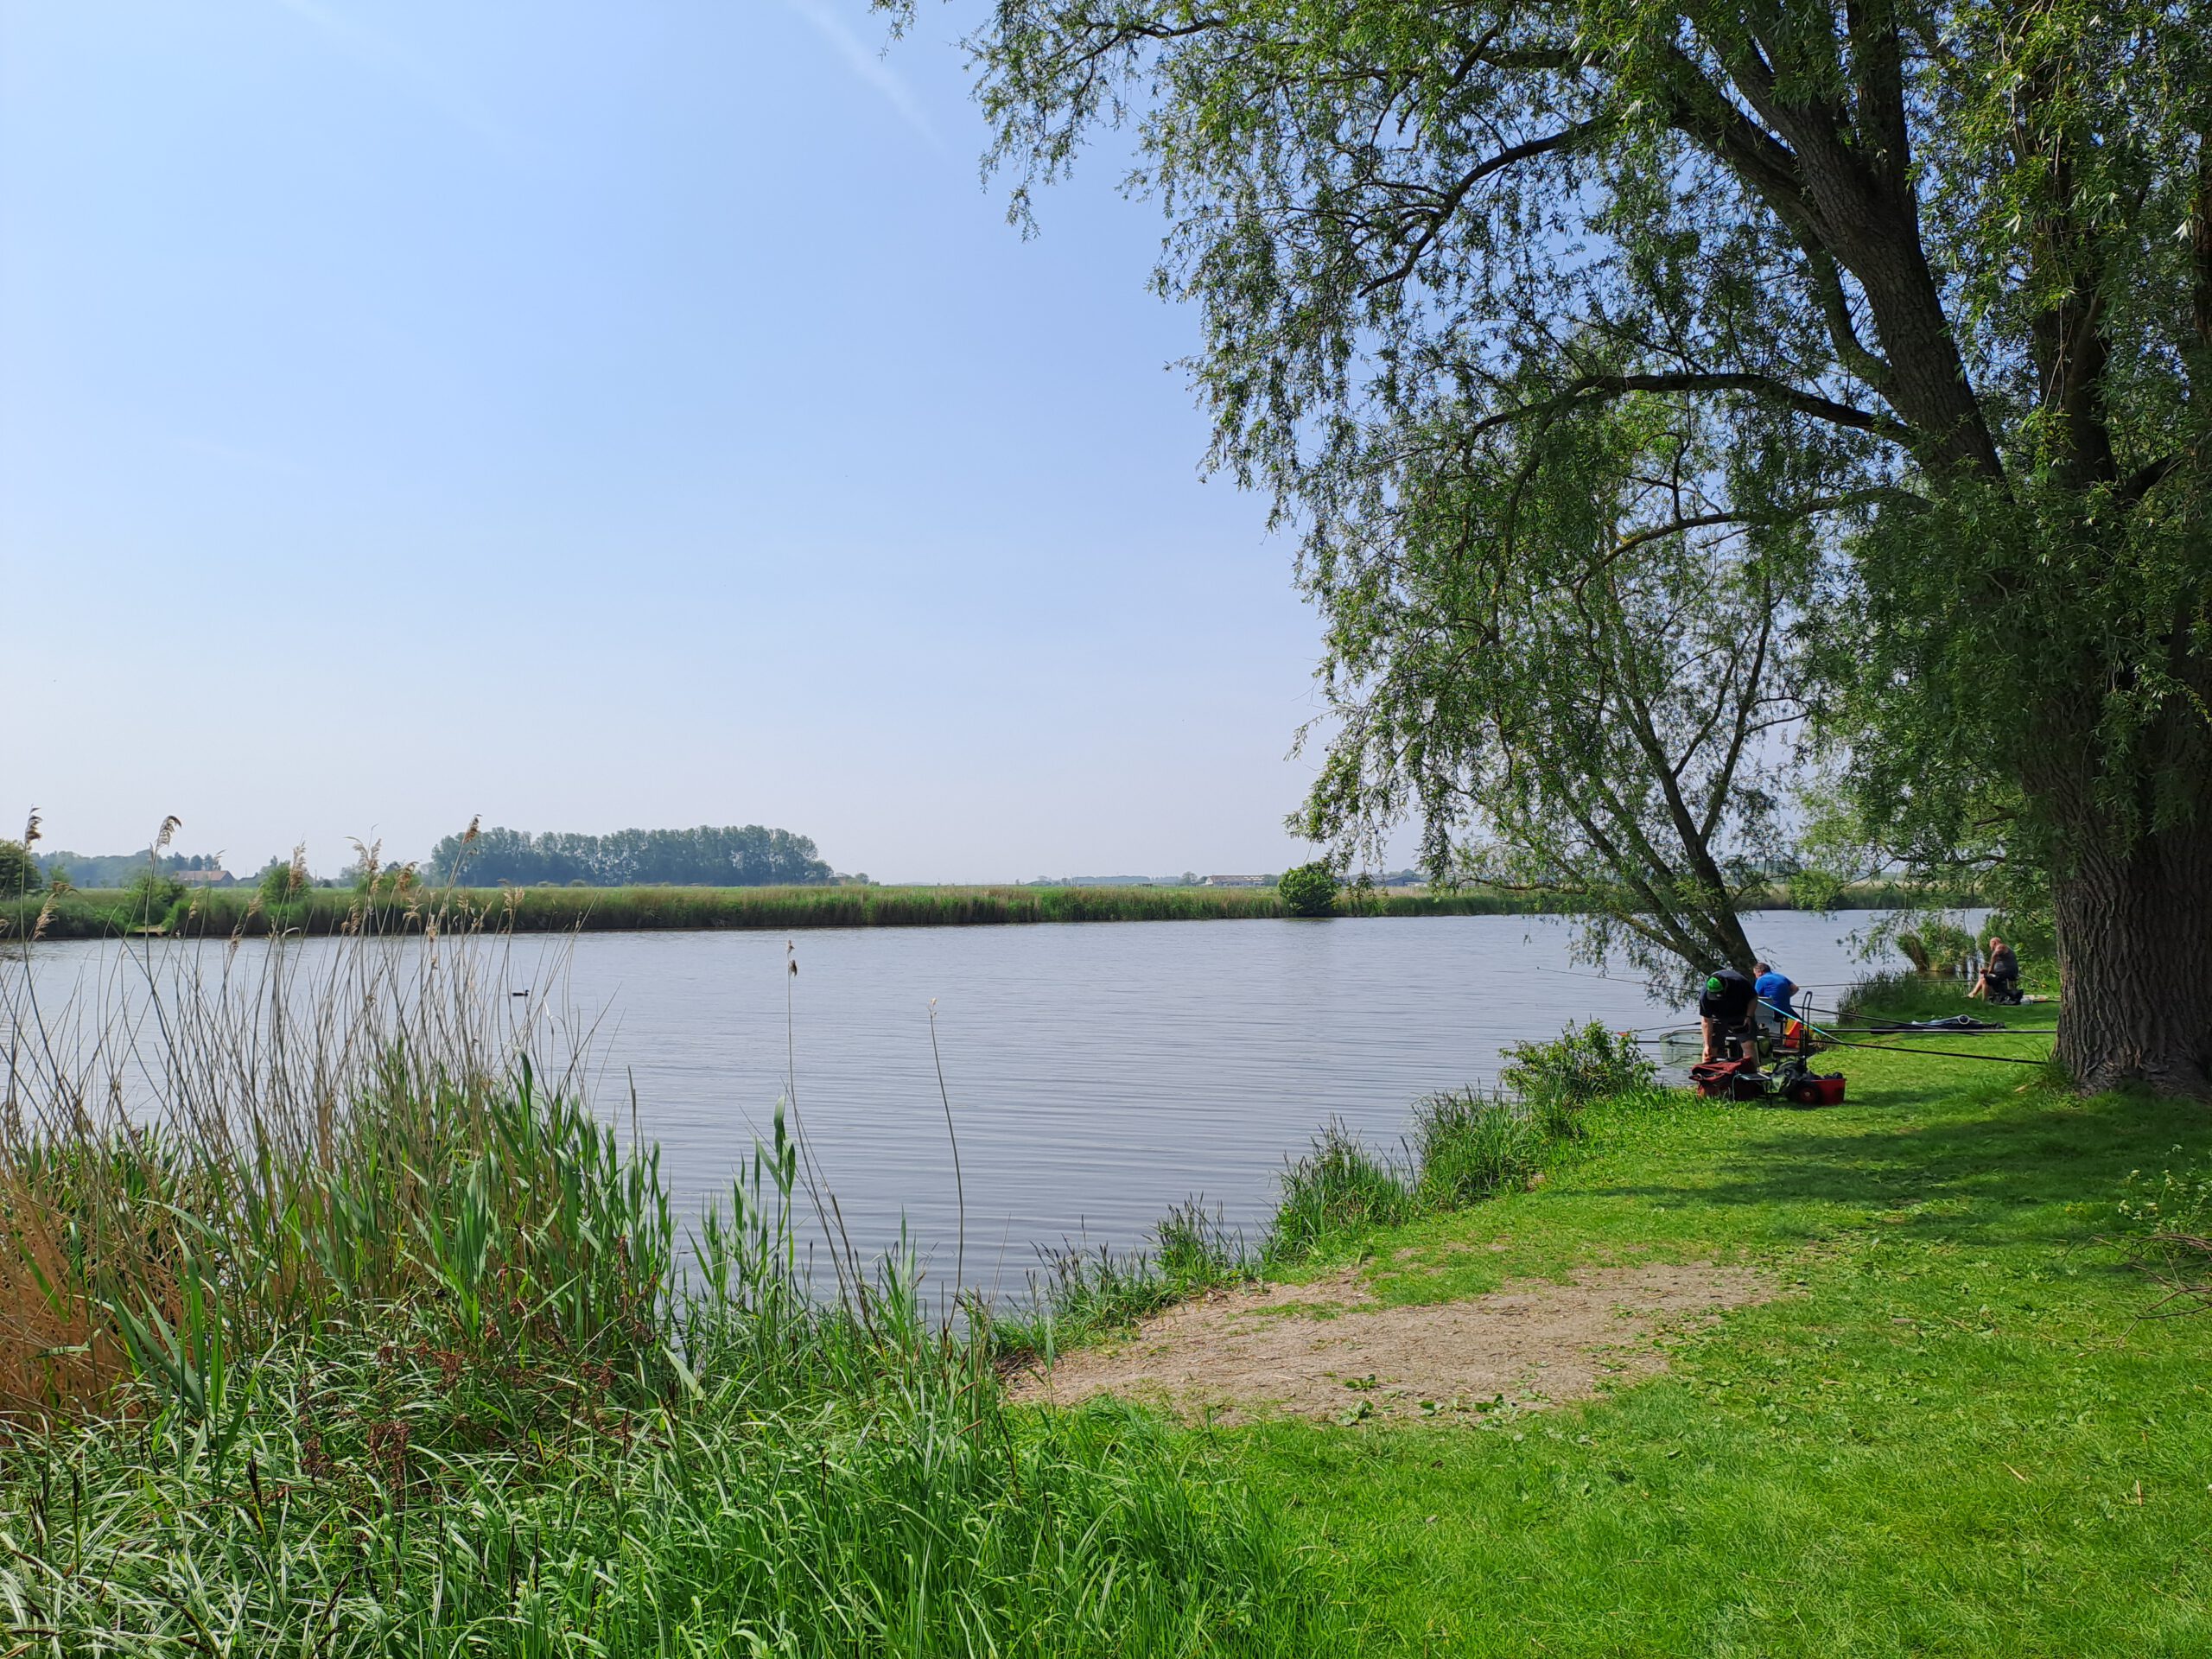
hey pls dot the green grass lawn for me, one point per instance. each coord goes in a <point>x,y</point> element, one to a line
<point>1956,1429</point>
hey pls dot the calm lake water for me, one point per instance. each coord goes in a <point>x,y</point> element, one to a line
<point>1098,1073</point>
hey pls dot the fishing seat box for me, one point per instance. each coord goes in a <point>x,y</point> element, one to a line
<point>1727,1080</point>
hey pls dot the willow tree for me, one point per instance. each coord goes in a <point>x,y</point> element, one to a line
<point>1602,724</point>
<point>1923,292</point>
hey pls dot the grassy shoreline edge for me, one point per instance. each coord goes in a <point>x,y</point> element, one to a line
<point>1971,1420</point>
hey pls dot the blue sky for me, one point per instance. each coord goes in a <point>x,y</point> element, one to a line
<point>589,415</point>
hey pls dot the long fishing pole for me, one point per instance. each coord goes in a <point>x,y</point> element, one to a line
<point>1940,1053</point>
<point>1668,1033</point>
<point>1909,1031</point>
<point>1948,1031</point>
<point>1899,1048</point>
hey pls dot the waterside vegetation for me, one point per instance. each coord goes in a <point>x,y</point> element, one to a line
<point>220,912</point>
<point>364,1336</point>
<point>1465,1146</point>
<point>373,1339</point>
<point>1966,1418</point>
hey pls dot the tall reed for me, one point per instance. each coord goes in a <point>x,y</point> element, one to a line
<point>251,1141</point>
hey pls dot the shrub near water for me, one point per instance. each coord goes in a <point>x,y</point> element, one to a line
<point>1309,890</point>
<point>1936,947</point>
<point>1584,1065</point>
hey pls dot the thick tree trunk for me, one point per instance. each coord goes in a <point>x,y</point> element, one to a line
<point>2135,962</point>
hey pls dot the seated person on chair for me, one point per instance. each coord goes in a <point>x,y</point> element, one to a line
<point>1725,1010</point>
<point>2000,975</point>
<point>1777,995</point>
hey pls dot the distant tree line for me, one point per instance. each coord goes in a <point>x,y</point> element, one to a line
<point>730,856</point>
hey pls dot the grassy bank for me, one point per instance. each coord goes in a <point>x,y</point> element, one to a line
<point>379,1343</point>
<point>735,1469</point>
<point>1967,1423</point>
<point>372,1340</point>
<point>222,912</point>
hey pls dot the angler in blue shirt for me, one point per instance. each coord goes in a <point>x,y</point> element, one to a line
<point>1777,996</point>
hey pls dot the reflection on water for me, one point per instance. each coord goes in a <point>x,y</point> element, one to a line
<point>1098,1073</point>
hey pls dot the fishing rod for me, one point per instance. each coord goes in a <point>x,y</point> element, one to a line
<point>1827,1034</point>
<point>1939,1053</point>
<point>1948,1030</point>
<point>1835,1041</point>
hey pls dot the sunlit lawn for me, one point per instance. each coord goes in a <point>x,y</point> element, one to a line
<point>1958,1428</point>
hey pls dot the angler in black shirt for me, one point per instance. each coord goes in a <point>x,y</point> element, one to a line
<point>1725,1010</point>
<point>2000,980</point>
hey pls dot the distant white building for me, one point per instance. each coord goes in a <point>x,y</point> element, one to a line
<point>1239,881</point>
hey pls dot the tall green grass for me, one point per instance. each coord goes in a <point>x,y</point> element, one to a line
<point>1338,1187</point>
<point>1470,1148</point>
<point>790,1476</point>
<point>248,1145</point>
<point>1079,1292</point>
<point>364,1335</point>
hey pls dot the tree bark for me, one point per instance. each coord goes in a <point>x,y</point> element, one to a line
<point>2135,961</point>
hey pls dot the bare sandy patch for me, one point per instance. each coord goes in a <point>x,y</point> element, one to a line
<point>1329,1350</point>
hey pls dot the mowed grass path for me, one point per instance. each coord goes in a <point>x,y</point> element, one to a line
<point>1956,1430</point>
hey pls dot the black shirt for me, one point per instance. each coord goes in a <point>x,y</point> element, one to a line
<point>2003,964</point>
<point>1727,996</point>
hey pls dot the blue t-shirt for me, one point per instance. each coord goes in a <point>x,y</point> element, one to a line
<point>1775,988</point>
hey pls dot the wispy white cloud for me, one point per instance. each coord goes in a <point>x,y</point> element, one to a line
<point>426,82</point>
<point>868,63</point>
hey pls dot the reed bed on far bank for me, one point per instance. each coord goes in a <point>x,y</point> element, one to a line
<point>330,1323</point>
<point>220,912</point>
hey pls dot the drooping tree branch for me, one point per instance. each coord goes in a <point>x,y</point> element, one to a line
<point>1593,388</point>
<point>1433,220</point>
